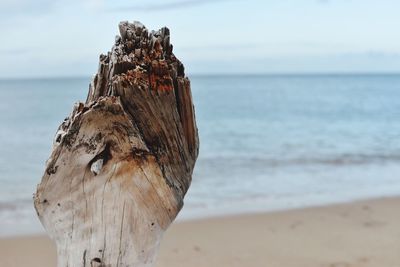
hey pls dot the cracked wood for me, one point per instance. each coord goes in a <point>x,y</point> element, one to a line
<point>122,161</point>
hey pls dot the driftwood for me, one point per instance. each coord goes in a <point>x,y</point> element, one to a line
<point>122,162</point>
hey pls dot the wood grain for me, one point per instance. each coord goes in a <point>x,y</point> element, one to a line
<point>122,161</point>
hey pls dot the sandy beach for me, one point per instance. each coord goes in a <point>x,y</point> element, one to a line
<point>363,233</point>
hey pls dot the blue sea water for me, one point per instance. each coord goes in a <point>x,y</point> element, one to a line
<point>267,142</point>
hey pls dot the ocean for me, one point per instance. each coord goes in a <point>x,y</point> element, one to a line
<point>267,142</point>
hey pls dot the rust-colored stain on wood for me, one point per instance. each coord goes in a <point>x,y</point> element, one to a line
<point>122,161</point>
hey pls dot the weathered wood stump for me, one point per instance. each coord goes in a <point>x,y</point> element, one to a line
<point>122,162</point>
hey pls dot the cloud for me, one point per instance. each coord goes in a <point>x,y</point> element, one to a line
<point>23,7</point>
<point>167,5</point>
<point>15,51</point>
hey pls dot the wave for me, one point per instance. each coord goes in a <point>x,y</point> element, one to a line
<point>345,159</point>
<point>16,204</point>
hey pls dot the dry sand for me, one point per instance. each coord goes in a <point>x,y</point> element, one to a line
<point>365,233</point>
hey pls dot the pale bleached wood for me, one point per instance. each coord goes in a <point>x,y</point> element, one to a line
<point>122,162</point>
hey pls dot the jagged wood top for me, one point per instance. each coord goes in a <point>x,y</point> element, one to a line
<point>143,72</point>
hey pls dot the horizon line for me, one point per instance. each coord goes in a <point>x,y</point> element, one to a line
<point>353,73</point>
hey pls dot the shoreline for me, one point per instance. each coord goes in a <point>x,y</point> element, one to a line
<point>360,233</point>
<point>253,211</point>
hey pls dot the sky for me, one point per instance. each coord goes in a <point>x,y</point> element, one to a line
<point>63,38</point>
